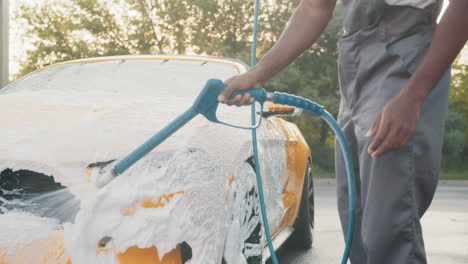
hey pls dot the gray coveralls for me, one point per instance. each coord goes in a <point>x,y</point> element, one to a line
<point>380,50</point>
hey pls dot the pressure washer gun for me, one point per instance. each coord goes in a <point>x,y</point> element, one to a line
<point>207,103</point>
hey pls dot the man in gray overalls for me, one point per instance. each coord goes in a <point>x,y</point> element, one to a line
<point>394,82</point>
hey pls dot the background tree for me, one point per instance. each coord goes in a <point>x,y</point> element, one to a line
<point>456,127</point>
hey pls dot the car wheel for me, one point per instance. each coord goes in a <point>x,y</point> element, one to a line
<point>302,236</point>
<point>245,230</point>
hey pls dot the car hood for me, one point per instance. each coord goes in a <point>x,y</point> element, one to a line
<point>184,181</point>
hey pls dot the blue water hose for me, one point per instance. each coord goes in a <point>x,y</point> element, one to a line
<point>316,109</point>
<point>292,100</point>
<point>351,182</point>
<point>258,174</point>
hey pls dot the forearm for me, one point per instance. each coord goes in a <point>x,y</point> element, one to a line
<point>303,29</point>
<point>449,38</point>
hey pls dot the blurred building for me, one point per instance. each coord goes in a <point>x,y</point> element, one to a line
<point>4,17</point>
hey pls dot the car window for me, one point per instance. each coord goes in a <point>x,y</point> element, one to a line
<point>23,190</point>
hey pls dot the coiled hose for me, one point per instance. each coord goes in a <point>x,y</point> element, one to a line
<point>316,109</point>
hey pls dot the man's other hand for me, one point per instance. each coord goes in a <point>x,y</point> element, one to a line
<point>393,126</point>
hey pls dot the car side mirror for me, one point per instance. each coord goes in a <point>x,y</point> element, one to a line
<point>280,110</point>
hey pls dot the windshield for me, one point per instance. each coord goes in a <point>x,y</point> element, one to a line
<point>178,80</point>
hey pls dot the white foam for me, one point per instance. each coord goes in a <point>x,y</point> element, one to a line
<point>196,216</point>
<point>18,229</point>
<point>77,114</point>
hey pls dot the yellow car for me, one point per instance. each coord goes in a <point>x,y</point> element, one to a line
<point>191,200</point>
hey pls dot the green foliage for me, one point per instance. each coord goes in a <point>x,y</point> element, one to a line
<point>456,127</point>
<point>314,76</point>
<point>454,140</point>
<point>458,101</point>
<point>459,90</point>
<point>73,29</point>
<point>455,174</point>
<point>62,31</point>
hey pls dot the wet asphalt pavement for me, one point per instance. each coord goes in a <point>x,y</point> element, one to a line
<point>445,228</point>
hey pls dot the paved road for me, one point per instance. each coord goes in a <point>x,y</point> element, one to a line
<point>445,227</point>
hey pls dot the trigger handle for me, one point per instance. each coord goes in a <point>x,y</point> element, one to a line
<point>259,95</point>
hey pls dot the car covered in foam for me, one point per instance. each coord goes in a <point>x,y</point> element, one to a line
<point>193,199</point>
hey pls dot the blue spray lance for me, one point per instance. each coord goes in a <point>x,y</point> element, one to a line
<point>206,104</point>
